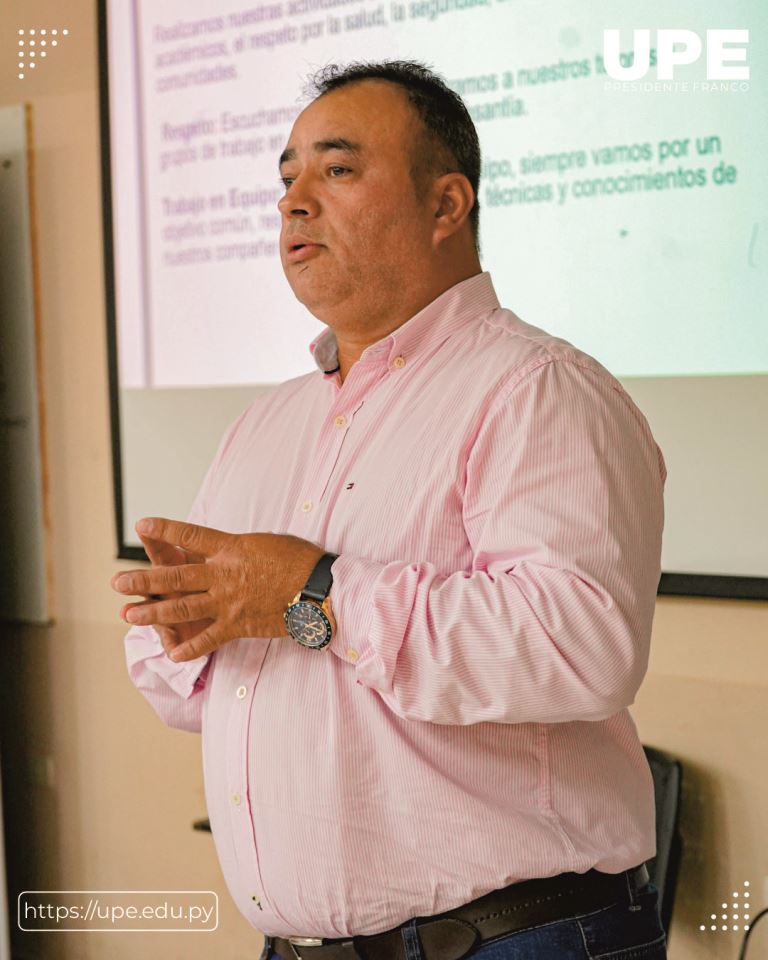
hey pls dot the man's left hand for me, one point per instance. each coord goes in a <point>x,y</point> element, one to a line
<point>244,584</point>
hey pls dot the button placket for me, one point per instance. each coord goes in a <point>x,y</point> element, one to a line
<point>361,380</point>
<point>342,422</point>
<point>241,811</point>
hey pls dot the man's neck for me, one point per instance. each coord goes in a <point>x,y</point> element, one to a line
<point>350,348</point>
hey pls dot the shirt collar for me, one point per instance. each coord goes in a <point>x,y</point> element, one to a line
<point>432,324</point>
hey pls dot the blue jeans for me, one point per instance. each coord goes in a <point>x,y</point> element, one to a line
<point>622,931</point>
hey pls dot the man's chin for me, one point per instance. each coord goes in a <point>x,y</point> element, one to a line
<point>316,307</point>
<point>313,293</point>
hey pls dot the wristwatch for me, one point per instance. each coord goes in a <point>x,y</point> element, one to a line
<point>309,618</point>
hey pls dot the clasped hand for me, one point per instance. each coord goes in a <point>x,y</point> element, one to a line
<point>207,587</point>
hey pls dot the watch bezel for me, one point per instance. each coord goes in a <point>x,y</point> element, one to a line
<point>320,615</point>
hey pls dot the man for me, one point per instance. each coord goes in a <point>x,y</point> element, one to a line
<point>415,595</point>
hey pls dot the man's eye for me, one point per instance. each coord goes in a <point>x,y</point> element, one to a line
<point>334,171</point>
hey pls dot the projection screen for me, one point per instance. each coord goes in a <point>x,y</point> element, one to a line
<point>626,216</point>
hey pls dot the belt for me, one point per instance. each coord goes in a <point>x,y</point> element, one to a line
<point>451,935</point>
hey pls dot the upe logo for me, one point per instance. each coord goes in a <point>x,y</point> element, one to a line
<point>689,49</point>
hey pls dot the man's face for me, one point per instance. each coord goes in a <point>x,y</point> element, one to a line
<point>347,171</point>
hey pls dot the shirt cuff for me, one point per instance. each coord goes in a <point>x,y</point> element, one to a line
<point>200,681</point>
<point>351,597</point>
<point>183,678</point>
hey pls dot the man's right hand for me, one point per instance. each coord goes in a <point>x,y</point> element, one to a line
<point>165,555</point>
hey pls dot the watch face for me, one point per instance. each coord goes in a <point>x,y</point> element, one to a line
<point>308,624</point>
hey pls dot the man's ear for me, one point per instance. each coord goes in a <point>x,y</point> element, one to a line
<point>454,199</point>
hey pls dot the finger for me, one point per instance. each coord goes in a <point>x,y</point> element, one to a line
<point>191,536</point>
<point>166,554</point>
<point>169,638</point>
<point>142,603</point>
<point>123,579</point>
<point>162,553</point>
<point>193,606</point>
<point>205,642</point>
<point>182,578</point>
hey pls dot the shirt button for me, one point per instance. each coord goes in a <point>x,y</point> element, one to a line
<point>306,506</point>
<point>236,798</point>
<point>399,361</point>
<point>241,692</point>
<point>340,421</point>
<point>352,654</point>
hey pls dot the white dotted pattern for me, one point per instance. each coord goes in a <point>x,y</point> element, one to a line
<point>735,916</point>
<point>32,32</point>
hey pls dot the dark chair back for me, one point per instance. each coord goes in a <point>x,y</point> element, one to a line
<point>664,867</point>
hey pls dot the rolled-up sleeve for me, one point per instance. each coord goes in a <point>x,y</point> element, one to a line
<point>563,509</point>
<point>175,690</point>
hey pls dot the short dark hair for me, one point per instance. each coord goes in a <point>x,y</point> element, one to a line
<point>448,125</point>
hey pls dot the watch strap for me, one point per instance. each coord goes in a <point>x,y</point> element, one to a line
<point>320,581</point>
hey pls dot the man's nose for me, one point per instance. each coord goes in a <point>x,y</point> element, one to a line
<point>298,201</point>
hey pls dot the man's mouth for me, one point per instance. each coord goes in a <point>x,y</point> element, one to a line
<point>301,250</point>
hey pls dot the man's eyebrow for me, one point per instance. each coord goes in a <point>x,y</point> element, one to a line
<point>335,143</point>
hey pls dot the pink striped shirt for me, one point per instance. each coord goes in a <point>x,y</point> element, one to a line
<point>496,499</point>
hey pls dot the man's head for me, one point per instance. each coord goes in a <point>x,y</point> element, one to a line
<point>382,171</point>
<point>448,138</point>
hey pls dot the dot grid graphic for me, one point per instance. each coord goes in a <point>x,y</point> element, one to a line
<point>34,44</point>
<point>739,904</point>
